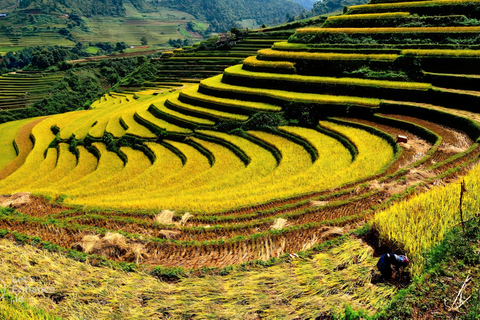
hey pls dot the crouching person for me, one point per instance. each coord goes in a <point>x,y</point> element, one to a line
<point>391,266</point>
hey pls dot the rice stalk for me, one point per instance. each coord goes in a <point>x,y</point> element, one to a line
<point>279,223</point>
<point>164,217</point>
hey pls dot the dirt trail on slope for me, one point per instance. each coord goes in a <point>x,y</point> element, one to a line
<point>24,148</point>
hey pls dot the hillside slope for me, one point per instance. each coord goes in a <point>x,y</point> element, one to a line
<point>328,6</point>
<point>220,14</point>
<point>307,4</point>
<point>85,7</point>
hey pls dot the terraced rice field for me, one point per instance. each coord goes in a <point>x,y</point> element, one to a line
<point>21,89</point>
<point>275,156</point>
<point>191,66</point>
<point>158,27</point>
<point>164,152</point>
<point>40,38</point>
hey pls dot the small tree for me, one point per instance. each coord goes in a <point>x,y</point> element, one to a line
<point>345,9</point>
<point>64,32</point>
<point>144,41</point>
<point>289,17</point>
<point>120,46</point>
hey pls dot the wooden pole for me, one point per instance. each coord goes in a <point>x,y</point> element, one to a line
<point>462,190</point>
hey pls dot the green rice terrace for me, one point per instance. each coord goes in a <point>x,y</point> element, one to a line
<point>33,27</point>
<point>22,88</point>
<point>265,189</point>
<point>194,63</point>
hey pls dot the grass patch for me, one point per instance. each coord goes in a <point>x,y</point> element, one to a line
<point>92,50</point>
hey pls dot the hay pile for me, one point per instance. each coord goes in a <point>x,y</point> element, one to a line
<point>164,217</point>
<point>114,246</point>
<point>14,201</point>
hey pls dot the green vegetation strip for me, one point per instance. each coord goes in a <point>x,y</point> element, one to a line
<point>412,30</point>
<point>215,84</point>
<point>232,147</point>
<point>388,15</point>
<point>178,118</point>
<point>252,63</point>
<point>385,136</point>
<point>212,114</point>
<point>265,145</point>
<point>349,145</point>
<point>442,53</point>
<point>237,71</point>
<point>196,97</point>
<point>202,150</point>
<point>269,54</point>
<point>410,4</point>
<point>312,151</point>
<point>177,152</point>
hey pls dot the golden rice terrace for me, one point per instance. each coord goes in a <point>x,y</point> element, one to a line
<point>291,148</point>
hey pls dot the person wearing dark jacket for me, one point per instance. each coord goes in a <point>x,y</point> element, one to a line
<point>390,262</point>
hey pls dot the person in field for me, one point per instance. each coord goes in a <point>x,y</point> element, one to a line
<point>391,265</point>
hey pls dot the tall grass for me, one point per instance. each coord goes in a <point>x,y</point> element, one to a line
<point>110,173</point>
<point>114,115</point>
<point>196,185</point>
<point>23,145</point>
<point>109,166</point>
<point>135,128</point>
<point>166,165</point>
<point>184,117</point>
<point>81,125</point>
<point>12,310</point>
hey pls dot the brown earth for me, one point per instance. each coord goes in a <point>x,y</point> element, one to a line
<point>34,206</point>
